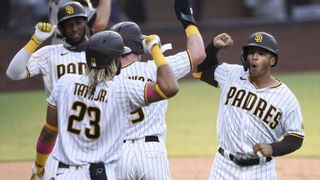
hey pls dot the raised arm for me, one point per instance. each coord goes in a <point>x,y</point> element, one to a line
<point>205,70</point>
<point>166,85</point>
<point>195,44</point>
<point>103,11</point>
<point>17,67</point>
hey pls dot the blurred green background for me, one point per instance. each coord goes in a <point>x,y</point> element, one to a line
<point>191,119</point>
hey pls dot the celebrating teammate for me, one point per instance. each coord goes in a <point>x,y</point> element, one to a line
<point>89,112</point>
<point>146,130</point>
<point>255,111</point>
<point>97,18</point>
<point>54,61</point>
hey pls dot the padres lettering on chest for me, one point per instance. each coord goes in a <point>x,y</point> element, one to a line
<point>257,106</point>
<point>72,68</point>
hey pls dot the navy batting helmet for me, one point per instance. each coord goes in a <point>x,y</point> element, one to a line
<point>70,10</point>
<point>131,34</point>
<point>262,40</point>
<point>103,48</point>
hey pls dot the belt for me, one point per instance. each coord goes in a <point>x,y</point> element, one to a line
<point>243,162</point>
<point>66,166</point>
<point>146,139</point>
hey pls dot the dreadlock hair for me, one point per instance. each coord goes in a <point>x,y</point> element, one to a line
<point>97,76</point>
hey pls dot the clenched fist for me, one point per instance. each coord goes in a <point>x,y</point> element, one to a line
<point>43,31</point>
<point>222,41</point>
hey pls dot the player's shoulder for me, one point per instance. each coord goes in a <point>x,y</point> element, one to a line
<point>234,68</point>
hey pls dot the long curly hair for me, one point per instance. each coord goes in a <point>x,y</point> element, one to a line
<point>97,76</point>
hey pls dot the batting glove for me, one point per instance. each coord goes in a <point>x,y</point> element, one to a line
<point>184,12</point>
<point>43,31</point>
<point>149,42</point>
<point>39,173</point>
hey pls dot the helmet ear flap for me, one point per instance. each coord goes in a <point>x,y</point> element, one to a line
<point>243,58</point>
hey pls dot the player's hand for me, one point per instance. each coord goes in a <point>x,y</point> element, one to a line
<point>184,12</point>
<point>43,31</point>
<point>39,173</point>
<point>222,41</point>
<point>264,149</point>
<point>149,42</point>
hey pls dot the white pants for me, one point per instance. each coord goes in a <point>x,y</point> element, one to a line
<point>73,173</point>
<point>143,160</point>
<point>224,168</point>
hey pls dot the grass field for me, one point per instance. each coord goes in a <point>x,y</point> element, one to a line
<point>191,119</point>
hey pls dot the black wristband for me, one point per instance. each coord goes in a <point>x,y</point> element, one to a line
<point>287,145</point>
<point>211,59</point>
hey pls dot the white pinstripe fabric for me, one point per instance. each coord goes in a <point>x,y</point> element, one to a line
<point>149,160</point>
<point>53,61</point>
<point>78,149</point>
<point>239,129</point>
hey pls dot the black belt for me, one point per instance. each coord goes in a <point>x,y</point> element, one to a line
<point>147,139</point>
<point>243,162</point>
<point>66,166</point>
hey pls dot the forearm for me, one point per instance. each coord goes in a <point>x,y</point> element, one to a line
<point>211,60</point>
<point>288,145</point>
<point>166,81</point>
<point>45,144</point>
<point>102,15</point>
<point>195,45</point>
<point>17,68</point>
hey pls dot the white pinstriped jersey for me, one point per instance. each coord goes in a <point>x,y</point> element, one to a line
<point>150,120</point>
<point>91,128</point>
<point>247,115</point>
<point>54,61</point>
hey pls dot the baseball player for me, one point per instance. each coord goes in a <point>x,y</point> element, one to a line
<point>54,61</point>
<point>89,112</point>
<point>255,111</point>
<point>97,17</point>
<point>144,151</point>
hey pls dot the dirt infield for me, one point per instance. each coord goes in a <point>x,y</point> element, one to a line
<point>193,169</point>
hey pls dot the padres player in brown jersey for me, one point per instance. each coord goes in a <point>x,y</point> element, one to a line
<point>89,112</point>
<point>54,61</point>
<point>97,17</point>
<point>144,153</point>
<point>256,110</point>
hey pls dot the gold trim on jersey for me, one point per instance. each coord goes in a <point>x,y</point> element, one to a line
<point>190,59</point>
<point>28,72</point>
<point>160,92</point>
<point>296,135</point>
<point>52,106</point>
<point>50,127</point>
<point>145,93</point>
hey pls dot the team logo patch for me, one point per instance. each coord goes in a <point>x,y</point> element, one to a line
<point>258,37</point>
<point>93,62</point>
<point>69,10</point>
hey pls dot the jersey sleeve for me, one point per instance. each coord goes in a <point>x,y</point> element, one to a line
<point>134,91</point>
<point>38,62</point>
<point>226,71</point>
<point>293,121</point>
<point>180,64</point>
<point>52,99</point>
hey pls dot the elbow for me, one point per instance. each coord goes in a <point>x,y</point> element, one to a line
<point>198,57</point>
<point>99,26</point>
<point>172,91</point>
<point>11,76</point>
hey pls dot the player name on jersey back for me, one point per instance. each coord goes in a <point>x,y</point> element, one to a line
<point>85,91</point>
